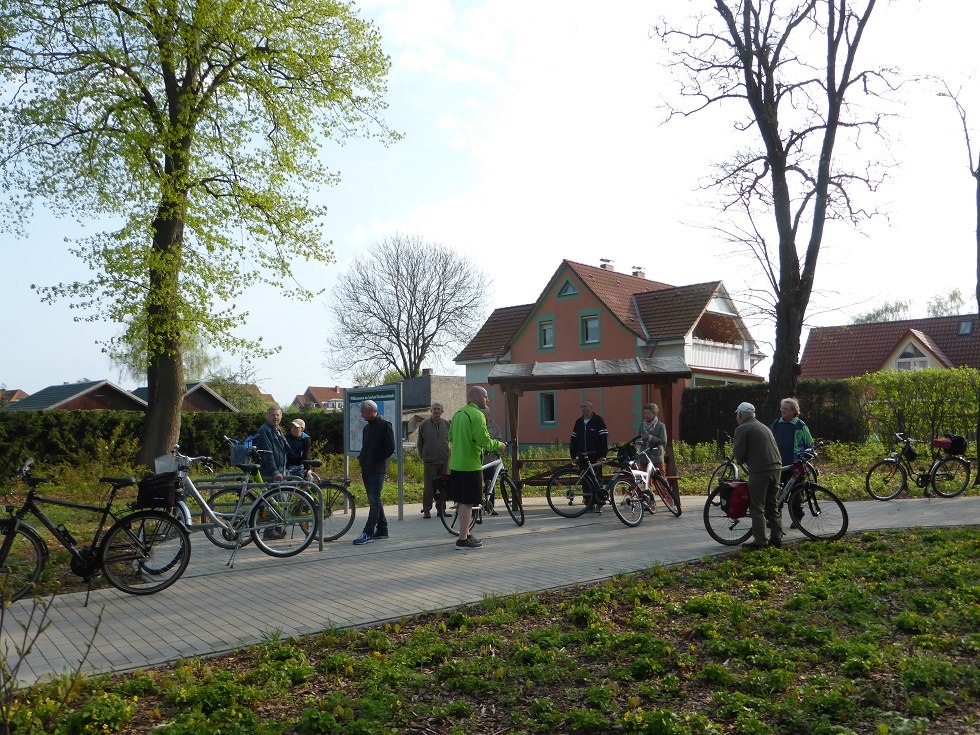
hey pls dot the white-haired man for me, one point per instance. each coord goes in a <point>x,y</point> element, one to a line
<point>377,445</point>
<point>755,447</point>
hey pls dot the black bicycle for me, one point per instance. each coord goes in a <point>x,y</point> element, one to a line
<point>574,489</point>
<point>141,553</point>
<point>948,475</point>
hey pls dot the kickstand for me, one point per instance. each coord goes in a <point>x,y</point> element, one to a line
<point>88,589</point>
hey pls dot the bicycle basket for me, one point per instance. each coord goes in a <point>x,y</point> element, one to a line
<point>627,453</point>
<point>159,491</point>
<point>910,454</point>
<point>734,498</point>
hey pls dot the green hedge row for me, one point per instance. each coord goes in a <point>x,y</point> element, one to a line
<point>831,408</point>
<point>65,436</point>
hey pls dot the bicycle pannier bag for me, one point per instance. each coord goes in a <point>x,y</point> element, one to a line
<point>439,487</point>
<point>957,444</point>
<point>734,497</point>
<point>159,491</point>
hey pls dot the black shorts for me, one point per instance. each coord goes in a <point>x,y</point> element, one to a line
<point>466,486</point>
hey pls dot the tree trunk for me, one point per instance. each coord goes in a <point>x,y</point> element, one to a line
<point>165,380</point>
<point>785,360</point>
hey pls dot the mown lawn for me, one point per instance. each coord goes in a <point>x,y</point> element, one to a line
<point>877,633</point>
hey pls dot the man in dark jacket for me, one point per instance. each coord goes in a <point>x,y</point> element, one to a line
<point>755,447</point>
<point>377,445</point>
<point>589,436</point>
<point>269,439</point>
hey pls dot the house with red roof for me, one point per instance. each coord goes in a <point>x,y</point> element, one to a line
<point>330,400</point>
<point>852,350</point>
<point>596,313</point>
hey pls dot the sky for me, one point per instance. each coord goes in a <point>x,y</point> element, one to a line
<point>535,131</point>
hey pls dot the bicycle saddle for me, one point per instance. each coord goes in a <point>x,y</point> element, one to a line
<point>119,481</point>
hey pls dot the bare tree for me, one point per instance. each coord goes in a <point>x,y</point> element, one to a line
<point>795,67</point>
<point>405,302</point>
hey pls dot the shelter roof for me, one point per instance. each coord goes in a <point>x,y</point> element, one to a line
<point>589,373</point>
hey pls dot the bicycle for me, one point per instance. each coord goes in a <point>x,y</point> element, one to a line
<point>336,499</point>
<point>141,553</point>
<point>574,489</point>
<point>729,470</point>
<point>281,518</point>
<point>815,510</point>
<point>948,475</point>
<point>508,493</point>
<point>631,497</point>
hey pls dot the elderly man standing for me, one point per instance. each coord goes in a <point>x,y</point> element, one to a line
<point>469,439</point>
<point>270,440</point>
<point>755,447</point>
<point>377,445</point>
<point>433,446</point>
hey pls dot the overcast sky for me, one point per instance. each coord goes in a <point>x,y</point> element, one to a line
<point>534,132</point>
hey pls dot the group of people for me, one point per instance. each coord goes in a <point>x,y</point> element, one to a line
<point>457,448</point>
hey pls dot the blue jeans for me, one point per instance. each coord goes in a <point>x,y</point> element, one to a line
<point>376,521</point>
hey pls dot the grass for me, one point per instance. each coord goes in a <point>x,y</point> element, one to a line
<point>877,633</point>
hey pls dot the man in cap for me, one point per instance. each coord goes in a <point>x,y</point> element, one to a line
<point>755,447</point>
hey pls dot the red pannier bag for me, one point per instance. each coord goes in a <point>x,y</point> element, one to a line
<point>734,497</point>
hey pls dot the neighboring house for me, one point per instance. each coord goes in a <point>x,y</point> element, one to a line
<point>12,395</point>
<point>197,397</point>
<point>590,313</point>
<point>911,344</point>
<point>418,395</point>
<point>92,395</point>
<point>331,400</point>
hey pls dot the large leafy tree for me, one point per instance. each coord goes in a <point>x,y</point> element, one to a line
<point>194,127</point>
<point>791,67</point>
<point>404,302</point>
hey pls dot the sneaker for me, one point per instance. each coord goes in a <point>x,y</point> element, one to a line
<point>471,542</point>
<point>380,535</point>
<point>364,538</point>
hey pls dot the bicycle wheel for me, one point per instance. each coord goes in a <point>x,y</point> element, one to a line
<point>725,530</point>
<point>145,552</point>
<point>886,479</point>
<point>627,500</point>
<point>450,519</point>
<point>950,476</point>
<point>723,473</point>
<point>225,505</point>
<point>508,493</point>
<point>667,494</point>
<point>338,510</point>
<point>568,494</point>
<point>23,561</point>
<point>284,521</point>
<point>817,512</point>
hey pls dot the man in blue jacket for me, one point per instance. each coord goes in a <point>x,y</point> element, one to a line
<point>377,445</point>
<point>269,439</point>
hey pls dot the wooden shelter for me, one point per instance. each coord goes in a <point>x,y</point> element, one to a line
<point>516,378</point>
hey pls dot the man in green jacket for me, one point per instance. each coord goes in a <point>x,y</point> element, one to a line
<point>469,439</point>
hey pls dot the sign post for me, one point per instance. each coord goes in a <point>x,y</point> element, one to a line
<point>389,400</point>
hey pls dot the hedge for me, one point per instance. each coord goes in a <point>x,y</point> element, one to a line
<point>831,408</point>
<point>68,436</point>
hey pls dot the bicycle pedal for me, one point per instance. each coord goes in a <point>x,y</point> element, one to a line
<point>479,520</point>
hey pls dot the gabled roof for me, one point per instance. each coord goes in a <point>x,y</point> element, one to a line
<point>9,395</point>
<point>616,291</point>
<point>497,333</point>
<point>856,349</point>
<point>143,393</point>
<point>671,313</point>
<point>323,394</point>
<point>55,396</point>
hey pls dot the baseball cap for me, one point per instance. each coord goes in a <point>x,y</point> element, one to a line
<point>746,407</point>
<point>299,423</point>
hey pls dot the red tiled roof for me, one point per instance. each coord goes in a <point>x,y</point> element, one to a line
<point>856,349</point>
<point>670,313</point>
<point>496,334</point>
<point>322,395</point>
<point>616,291</point>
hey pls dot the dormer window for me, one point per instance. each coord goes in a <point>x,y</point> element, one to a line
<point>966,328</point>
<point>911,359</point>
<point>567,289</point>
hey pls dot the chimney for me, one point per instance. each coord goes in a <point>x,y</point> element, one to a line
<point>638,271</point>
<point>606,264</point>
<point>426,371</point>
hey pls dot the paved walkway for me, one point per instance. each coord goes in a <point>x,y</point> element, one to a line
<point>212,609</point>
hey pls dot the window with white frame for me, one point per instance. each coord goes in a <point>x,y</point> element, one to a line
<point>911,359</point>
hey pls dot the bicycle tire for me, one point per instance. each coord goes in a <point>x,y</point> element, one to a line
<point>725,530</point>
<point>671,499</point>
<point>145,552</point>
<point>886,479</point>
<point>450,520</point>
<point>725,472</point>
<point>817,512</point>
<point>627,500</point>
<point>339,508</point>
<point>567,494</point>
<point>225,505</point>
<point>23,562</point>
<point>508,493</point>
<point>953,475</point>
<point>284,521</point>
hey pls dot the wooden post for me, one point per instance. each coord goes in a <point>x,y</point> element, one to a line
<point>513,402</point>
<point>667,398</point>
